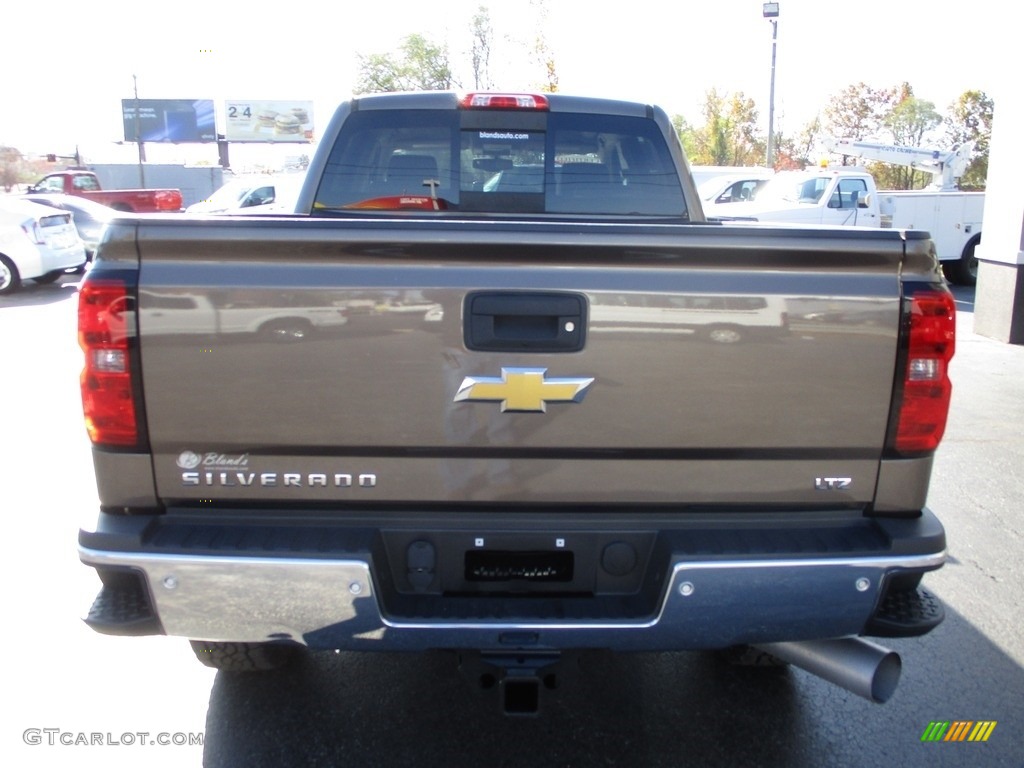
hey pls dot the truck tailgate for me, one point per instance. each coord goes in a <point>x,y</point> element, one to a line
<point>417,361</point>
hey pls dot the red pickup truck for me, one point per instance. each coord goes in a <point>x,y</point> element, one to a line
<point>85,184</point>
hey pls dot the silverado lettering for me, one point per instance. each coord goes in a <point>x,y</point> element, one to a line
<point>605,421</point>
<point>269,479</point>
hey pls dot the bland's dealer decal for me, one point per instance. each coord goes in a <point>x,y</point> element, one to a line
<point>211,460</point>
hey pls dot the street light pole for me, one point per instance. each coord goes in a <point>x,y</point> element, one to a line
<point>771,12</point>
<point>138,139</point>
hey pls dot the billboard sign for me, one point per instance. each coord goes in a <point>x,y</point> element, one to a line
<point>269,121</point>
<point>170,120</point>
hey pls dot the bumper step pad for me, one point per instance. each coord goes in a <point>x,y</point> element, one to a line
<point>123,607</point>
<point>906,613</point>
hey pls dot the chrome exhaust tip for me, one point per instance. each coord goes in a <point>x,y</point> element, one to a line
<point>859,666</point>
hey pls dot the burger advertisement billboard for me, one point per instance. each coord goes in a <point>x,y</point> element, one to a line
<point>269,121</point>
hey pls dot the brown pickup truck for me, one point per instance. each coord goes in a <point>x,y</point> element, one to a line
<point>565,410</point>
<point>85,184</point>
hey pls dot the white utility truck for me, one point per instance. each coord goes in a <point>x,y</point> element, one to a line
<point>846,195</point>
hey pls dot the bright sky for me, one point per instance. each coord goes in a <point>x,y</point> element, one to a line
<point>66,68</point>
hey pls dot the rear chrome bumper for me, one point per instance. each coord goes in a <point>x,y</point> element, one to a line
<point>346,602</point>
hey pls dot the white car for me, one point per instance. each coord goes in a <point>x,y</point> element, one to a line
<point>733,188</point>
<point>259,194</point>
<point>37,242</point>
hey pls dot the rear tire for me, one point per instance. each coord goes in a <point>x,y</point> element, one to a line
<point>10,280</point>
<point>244,657</point>
<point>49,277</point>
<point>963,271</point>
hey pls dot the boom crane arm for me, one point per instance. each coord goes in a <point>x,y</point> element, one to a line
<point>945,167</point>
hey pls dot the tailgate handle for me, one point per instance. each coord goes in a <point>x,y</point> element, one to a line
<point>511,321</point>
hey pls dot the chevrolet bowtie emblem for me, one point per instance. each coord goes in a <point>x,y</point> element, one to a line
<point>523,389</point>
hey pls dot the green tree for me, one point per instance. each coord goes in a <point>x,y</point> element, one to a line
<point>970,119</point>
<point>542,51</point>
<point>903,121</point>
<point>480,53</point>
<point>10,167</point>
<point>807,141</point>
<point>712,139</point>
<point>909,122</point>
<point>795,153</point>
<point>729,134</point>
<point>747,147</point>
<point>858,111</point>
<point>687,136</point>
<point>418,65</point>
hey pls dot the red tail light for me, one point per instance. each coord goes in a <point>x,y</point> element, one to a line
<point>168,200</point>
<point>106,320</point>
<point>926,389</point>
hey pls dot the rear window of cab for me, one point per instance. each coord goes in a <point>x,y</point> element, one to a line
<point>449,160</point>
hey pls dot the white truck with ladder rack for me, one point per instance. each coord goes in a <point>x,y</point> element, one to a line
<point>847,196</point>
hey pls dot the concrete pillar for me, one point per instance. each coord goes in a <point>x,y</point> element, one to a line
<point>999,297</point>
